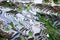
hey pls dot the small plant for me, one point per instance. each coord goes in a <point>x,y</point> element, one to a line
<point>20,9</point>
<point>21,23</point>
<point>12,25</point>
<point>7,29</point>
<point>30,33</point>
<point>28,7</point>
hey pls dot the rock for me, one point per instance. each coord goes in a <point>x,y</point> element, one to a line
<point>44,7</point>
<point>12,11</point>
<point>37,34</point>
<point>57,8</point>
<point>31,38</point>
<point>0,12</point>
<point>5,35</point>
<point>7,4</point>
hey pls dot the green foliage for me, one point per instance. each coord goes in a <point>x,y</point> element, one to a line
<point>7,29</point>
<point>30,33</point>
<point>58,13</point>
<point>22,38</point>
<point>28,7</point>
<point>12,25</point>
<point>51,30</point>
<point>20,9</point>
<point>55,1</point>
<point>21,23</point>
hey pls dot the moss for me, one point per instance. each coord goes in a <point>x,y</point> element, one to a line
<point>12,11</point>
